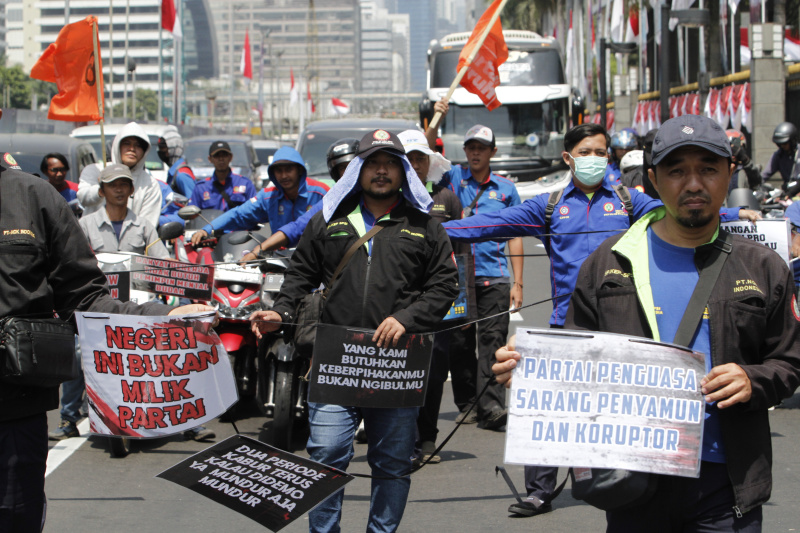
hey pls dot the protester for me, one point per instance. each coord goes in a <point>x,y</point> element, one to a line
<point>130,147</point>
<point>793,214</point>
<point>632,168</point>
<point>223,190</point>
<point>289,197</point>
<point>482,191</point>
<point>582,216</point>
<point>179,176</point>
<point>55,167</point>
<point>743,163</point>
<point>403,280</point>
<point>621,143</point>
<point>639,283</point>
<point>429,167</point>
<point>47,267</point>
<point>785,159</point>
<point>339,155</point>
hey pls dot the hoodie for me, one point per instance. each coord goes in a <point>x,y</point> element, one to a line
<point>146,201</point>
<point>271,205</point>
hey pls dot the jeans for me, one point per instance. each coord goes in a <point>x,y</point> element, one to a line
<point>390,437</point>
<point>72,398</point>
<point>23,460</point>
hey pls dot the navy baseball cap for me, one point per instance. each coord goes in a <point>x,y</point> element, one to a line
<point>380,140</point>
<point>690,130</point>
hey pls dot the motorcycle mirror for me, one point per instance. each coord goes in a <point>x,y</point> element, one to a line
<point>170,230</point>
<point>179,199</point>
<point>189,212</point>
<point>239,237</point>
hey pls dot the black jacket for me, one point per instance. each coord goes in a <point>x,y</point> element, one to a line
<point>46,266</point>
<point>410,276</point>
<point>753,322</point>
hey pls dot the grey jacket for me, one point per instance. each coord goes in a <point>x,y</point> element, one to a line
<point>136,235</point>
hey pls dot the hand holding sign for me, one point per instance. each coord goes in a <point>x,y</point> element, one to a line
<point>727,384</point>
<point>507,358</point>
<point>265,322</point>
<point>389,330</point>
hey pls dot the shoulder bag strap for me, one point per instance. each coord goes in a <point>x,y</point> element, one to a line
<point>218,186</point>
<point>625,196</point>
<point>349,254</point>
<point>699,299</point>
<point>554,198</point>
<point>483,187</point>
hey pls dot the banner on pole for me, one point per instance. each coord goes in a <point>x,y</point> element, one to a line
<point>602,400</point>
<point>349,369</point>
<point>265,484</point>
<point>152,376</point>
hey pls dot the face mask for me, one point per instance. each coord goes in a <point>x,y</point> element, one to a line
<point>590,169</point>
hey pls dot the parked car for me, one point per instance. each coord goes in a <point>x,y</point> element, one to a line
<point>156,167</point>
<point>317,137</point>
<point>28,149</point>
<point>245,161</point>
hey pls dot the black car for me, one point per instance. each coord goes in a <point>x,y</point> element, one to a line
<point>317,137</point>
<point>28,149</point>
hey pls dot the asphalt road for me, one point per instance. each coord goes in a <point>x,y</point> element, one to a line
<point>91,491</point>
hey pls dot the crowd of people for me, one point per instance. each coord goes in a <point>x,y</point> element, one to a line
<point>635,221</point>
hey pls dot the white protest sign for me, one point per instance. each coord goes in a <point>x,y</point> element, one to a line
<point>151,376</point>
<point>775,234</point>
<point>589,399</point>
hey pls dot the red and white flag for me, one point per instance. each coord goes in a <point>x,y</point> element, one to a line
<point>169,19</point>
<point>294,94</point>
<point>791,46</point>
<point>246,65</point>
<point>723,106</point>
<point>744,106</point>
<point>309,101</point>
<point>340,107</point>
<point>632,27</point>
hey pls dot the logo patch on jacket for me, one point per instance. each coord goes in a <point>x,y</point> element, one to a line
<point>19,232</point>
<point>10,161</point>
<point>743,285</point>
<point>280,209</point>
<point>240,189</point>
<point>206,195</point>
<point>563,210</point>
<point>608,207</point>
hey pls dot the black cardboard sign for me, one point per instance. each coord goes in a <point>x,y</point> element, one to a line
<point>349,369</point>
<point>172,278</point>
<point>119,284</point>
<point>265,484</point>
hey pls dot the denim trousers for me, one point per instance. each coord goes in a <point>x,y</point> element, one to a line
<point>72,398</point>
<point>390,437</point>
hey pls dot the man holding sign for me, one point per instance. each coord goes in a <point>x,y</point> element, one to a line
<point>640,282</point>
<point>401,280</point>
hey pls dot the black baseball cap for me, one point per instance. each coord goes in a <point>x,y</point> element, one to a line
<point>219,146</point>
<point>379,140</point>
<point>690,130</point>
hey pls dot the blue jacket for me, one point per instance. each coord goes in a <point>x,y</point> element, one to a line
<point>573,216</point>
<point>793,214</point>
<point>271,205</point>
<point>294,229</point>
<point>489,257</point>
<point>613,172</point>
<point>169,209</point>
<point>206,195</point>
<point>181,178</point>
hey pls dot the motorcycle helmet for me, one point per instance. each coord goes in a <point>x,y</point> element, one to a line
<point>631,160</point>
<point>785,132</point>
<point>342,151</point>
<point>624,140</point>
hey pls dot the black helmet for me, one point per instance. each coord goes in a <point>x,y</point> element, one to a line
<point>342,151</point>
<point>785,132</point>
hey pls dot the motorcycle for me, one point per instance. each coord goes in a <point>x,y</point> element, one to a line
<point>282,386</point>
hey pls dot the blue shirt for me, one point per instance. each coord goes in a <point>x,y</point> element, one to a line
<point>673,277</point>
<point>574,215</point>
<point>270,205</point>
<point>489,257</point>
<point>294,229</point>
<point>169,209</point>
<point>207,196</point>
<point>180,177</point>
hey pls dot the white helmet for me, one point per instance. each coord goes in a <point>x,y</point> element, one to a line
<point>631,160</point>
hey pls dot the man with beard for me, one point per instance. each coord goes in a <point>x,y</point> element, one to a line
<point>639,283</point>
<point>402,280</point>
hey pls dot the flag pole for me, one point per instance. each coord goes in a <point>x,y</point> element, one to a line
<point>463,71</point>
<point>98,82</point>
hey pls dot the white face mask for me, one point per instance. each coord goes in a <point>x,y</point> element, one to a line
<point>589,169</point>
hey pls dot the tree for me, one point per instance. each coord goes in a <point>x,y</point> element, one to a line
<point>146,106</point>
<point>18,87</point>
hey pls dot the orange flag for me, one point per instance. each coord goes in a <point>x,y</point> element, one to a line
<point>69,63</point>
<point>483,76</point>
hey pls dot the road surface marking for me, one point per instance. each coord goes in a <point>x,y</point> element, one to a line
<point>61,451</point>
